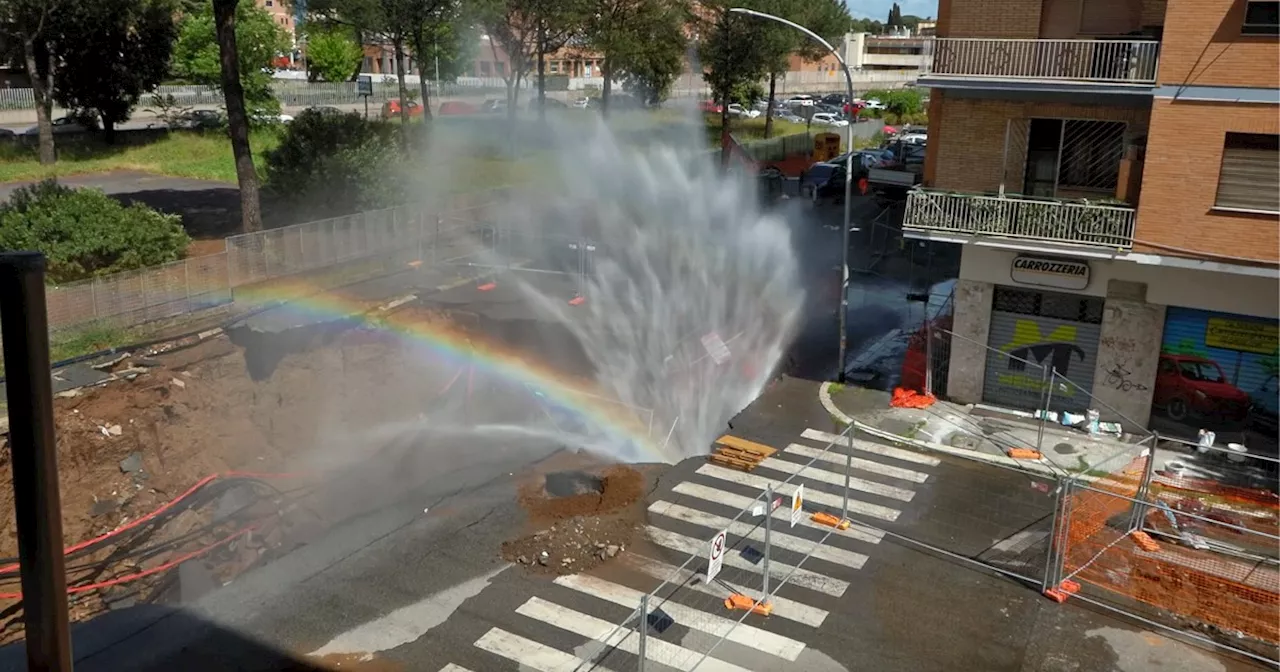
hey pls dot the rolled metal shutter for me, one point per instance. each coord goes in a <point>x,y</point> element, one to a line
<point>1069,346</point>
<point>1248,368</point>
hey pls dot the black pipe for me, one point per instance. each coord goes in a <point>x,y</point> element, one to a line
<point>24,324</point>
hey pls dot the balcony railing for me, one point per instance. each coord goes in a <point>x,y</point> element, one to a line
<point>1058,221</point>
<point>1131,62</point>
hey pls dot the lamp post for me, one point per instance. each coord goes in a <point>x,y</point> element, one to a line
<point>848,181</point>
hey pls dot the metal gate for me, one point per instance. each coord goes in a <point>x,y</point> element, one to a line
<point>1037,333</point>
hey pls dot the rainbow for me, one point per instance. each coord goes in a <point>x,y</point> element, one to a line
<point>620,423</point>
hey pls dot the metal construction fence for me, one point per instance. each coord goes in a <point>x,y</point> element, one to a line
<point>362,245</point>
<point>760,551</point>
<point>1182,536</point>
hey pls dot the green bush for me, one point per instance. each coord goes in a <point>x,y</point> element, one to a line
<point>899,102</point>
<point>84,232</point>
<point>335,164</point>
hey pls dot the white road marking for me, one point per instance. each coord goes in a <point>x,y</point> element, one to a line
<point>528,653</point>
<point>823,476</point>
<point>601,630</point>
<point>696,619</point>
<point>454,668</point>
<point>855,531</point>
<point>802,577</point>
<point>872,447</point>
<point>687,579</point>
<point>754,532</point>
<point>813,496</point>
<point>838,458</point>
<point>408,623</point>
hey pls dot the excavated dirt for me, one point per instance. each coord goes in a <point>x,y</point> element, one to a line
<point>582,531</point>
<point>131,445</point>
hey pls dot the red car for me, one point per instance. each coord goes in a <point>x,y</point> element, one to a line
<point>1189,386</point>
<point>391,109</point>
<point>710,107</point>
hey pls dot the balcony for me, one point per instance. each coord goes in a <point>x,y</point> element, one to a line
<point>1057,221</point>
<point>1122,64</point>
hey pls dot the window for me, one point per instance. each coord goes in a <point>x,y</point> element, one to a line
<point>1073,154</point>
<point>1261,18</point>
<point>553,67</point>
<point>1250,176</point>
<point>500,68</point>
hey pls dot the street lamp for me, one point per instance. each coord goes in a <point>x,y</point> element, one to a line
<point>848,181</point>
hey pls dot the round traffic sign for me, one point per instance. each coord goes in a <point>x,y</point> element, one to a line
<point>717,546</point>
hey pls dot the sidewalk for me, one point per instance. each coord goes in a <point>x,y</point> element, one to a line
<point>958,430</point>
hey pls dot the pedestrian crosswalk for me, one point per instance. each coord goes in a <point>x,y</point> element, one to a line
<point>571,620</point>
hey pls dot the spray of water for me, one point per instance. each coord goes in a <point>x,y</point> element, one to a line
<point>692,292</point>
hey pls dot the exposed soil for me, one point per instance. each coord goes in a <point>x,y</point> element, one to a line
<point>169,420</point>
<point>582,531</point>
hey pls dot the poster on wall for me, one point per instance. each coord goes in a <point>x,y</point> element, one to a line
<point>1218,371</point>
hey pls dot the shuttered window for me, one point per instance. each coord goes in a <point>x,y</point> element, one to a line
<point>1250,177</point>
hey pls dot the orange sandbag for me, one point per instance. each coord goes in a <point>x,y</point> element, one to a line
<point>904,398</point>
<point>1145,542</point>
<point>1023,453</point>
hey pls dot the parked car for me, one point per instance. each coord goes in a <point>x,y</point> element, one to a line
<point>325,110</point>
<point>835,99</point>
<point>581,104</point>
<point>828,119</point>
<point>391,109</point>
<point>494,106</point>
<point>456,107</point>
<point>824,181</point>
<point>1189,387</point>
<point>792,118</point>
<point>202,120</point>
<point>737,110</point>
<point>710,107</point>
<point>873,104</point>
<point>801,100</point>
<point>62,125</point>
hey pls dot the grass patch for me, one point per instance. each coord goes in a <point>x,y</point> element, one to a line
<point>747,130</point>
<point>835,388</point>
<point>204,156</point>
<point>83,340</point>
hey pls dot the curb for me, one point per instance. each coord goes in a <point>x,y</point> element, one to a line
<point>1037,466</point>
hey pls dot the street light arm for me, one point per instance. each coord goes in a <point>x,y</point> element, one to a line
<point>848,183</point>
<point>806,31</point>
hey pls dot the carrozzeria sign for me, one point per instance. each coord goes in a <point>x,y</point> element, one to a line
<point>1048,272</point>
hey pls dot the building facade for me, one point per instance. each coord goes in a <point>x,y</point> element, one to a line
<point>1111,171</point>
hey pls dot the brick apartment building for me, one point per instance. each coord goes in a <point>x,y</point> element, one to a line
<point>1110,169</point>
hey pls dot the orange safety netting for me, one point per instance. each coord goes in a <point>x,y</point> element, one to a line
<point>1218,589</point>
<point>904,398</point>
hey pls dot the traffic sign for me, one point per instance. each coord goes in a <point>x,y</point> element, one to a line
<point>777,502</point>
<point>797,505</point>
<point>715,558</point>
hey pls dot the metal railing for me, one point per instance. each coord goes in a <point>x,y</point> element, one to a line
<point>759,533</point>
<point>1137,520</point>
<point>1096,61</point>
<point>1011,216</point>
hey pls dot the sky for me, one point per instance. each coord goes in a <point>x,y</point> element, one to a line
<point>879,9</point>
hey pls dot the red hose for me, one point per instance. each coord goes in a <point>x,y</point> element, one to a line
<point>154,570</point>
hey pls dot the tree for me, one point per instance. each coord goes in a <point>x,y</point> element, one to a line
<point>111,52</point>
<point>428,23</point>
<point>26,29</point>
<point>642,40</point>
<point>514,31</point>
<point>333,54</point>
<point>866,26</point>
<point>198,52</point>
<point>828,18</point>
<point>895,17</point>
<point>731,58</point>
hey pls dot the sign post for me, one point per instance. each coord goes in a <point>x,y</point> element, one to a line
<point>364,89</point>
<point>715,557</point>
<point>797,505</point>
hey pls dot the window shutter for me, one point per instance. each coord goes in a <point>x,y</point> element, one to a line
<point>1250,177</point>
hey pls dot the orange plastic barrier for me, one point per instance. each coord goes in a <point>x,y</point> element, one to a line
<point>1023,453</point>
<point>745,603</point>
<point>904,398</point>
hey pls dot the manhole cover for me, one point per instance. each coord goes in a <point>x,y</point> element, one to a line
<point>1064,449</point>
<point>570,483</point>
